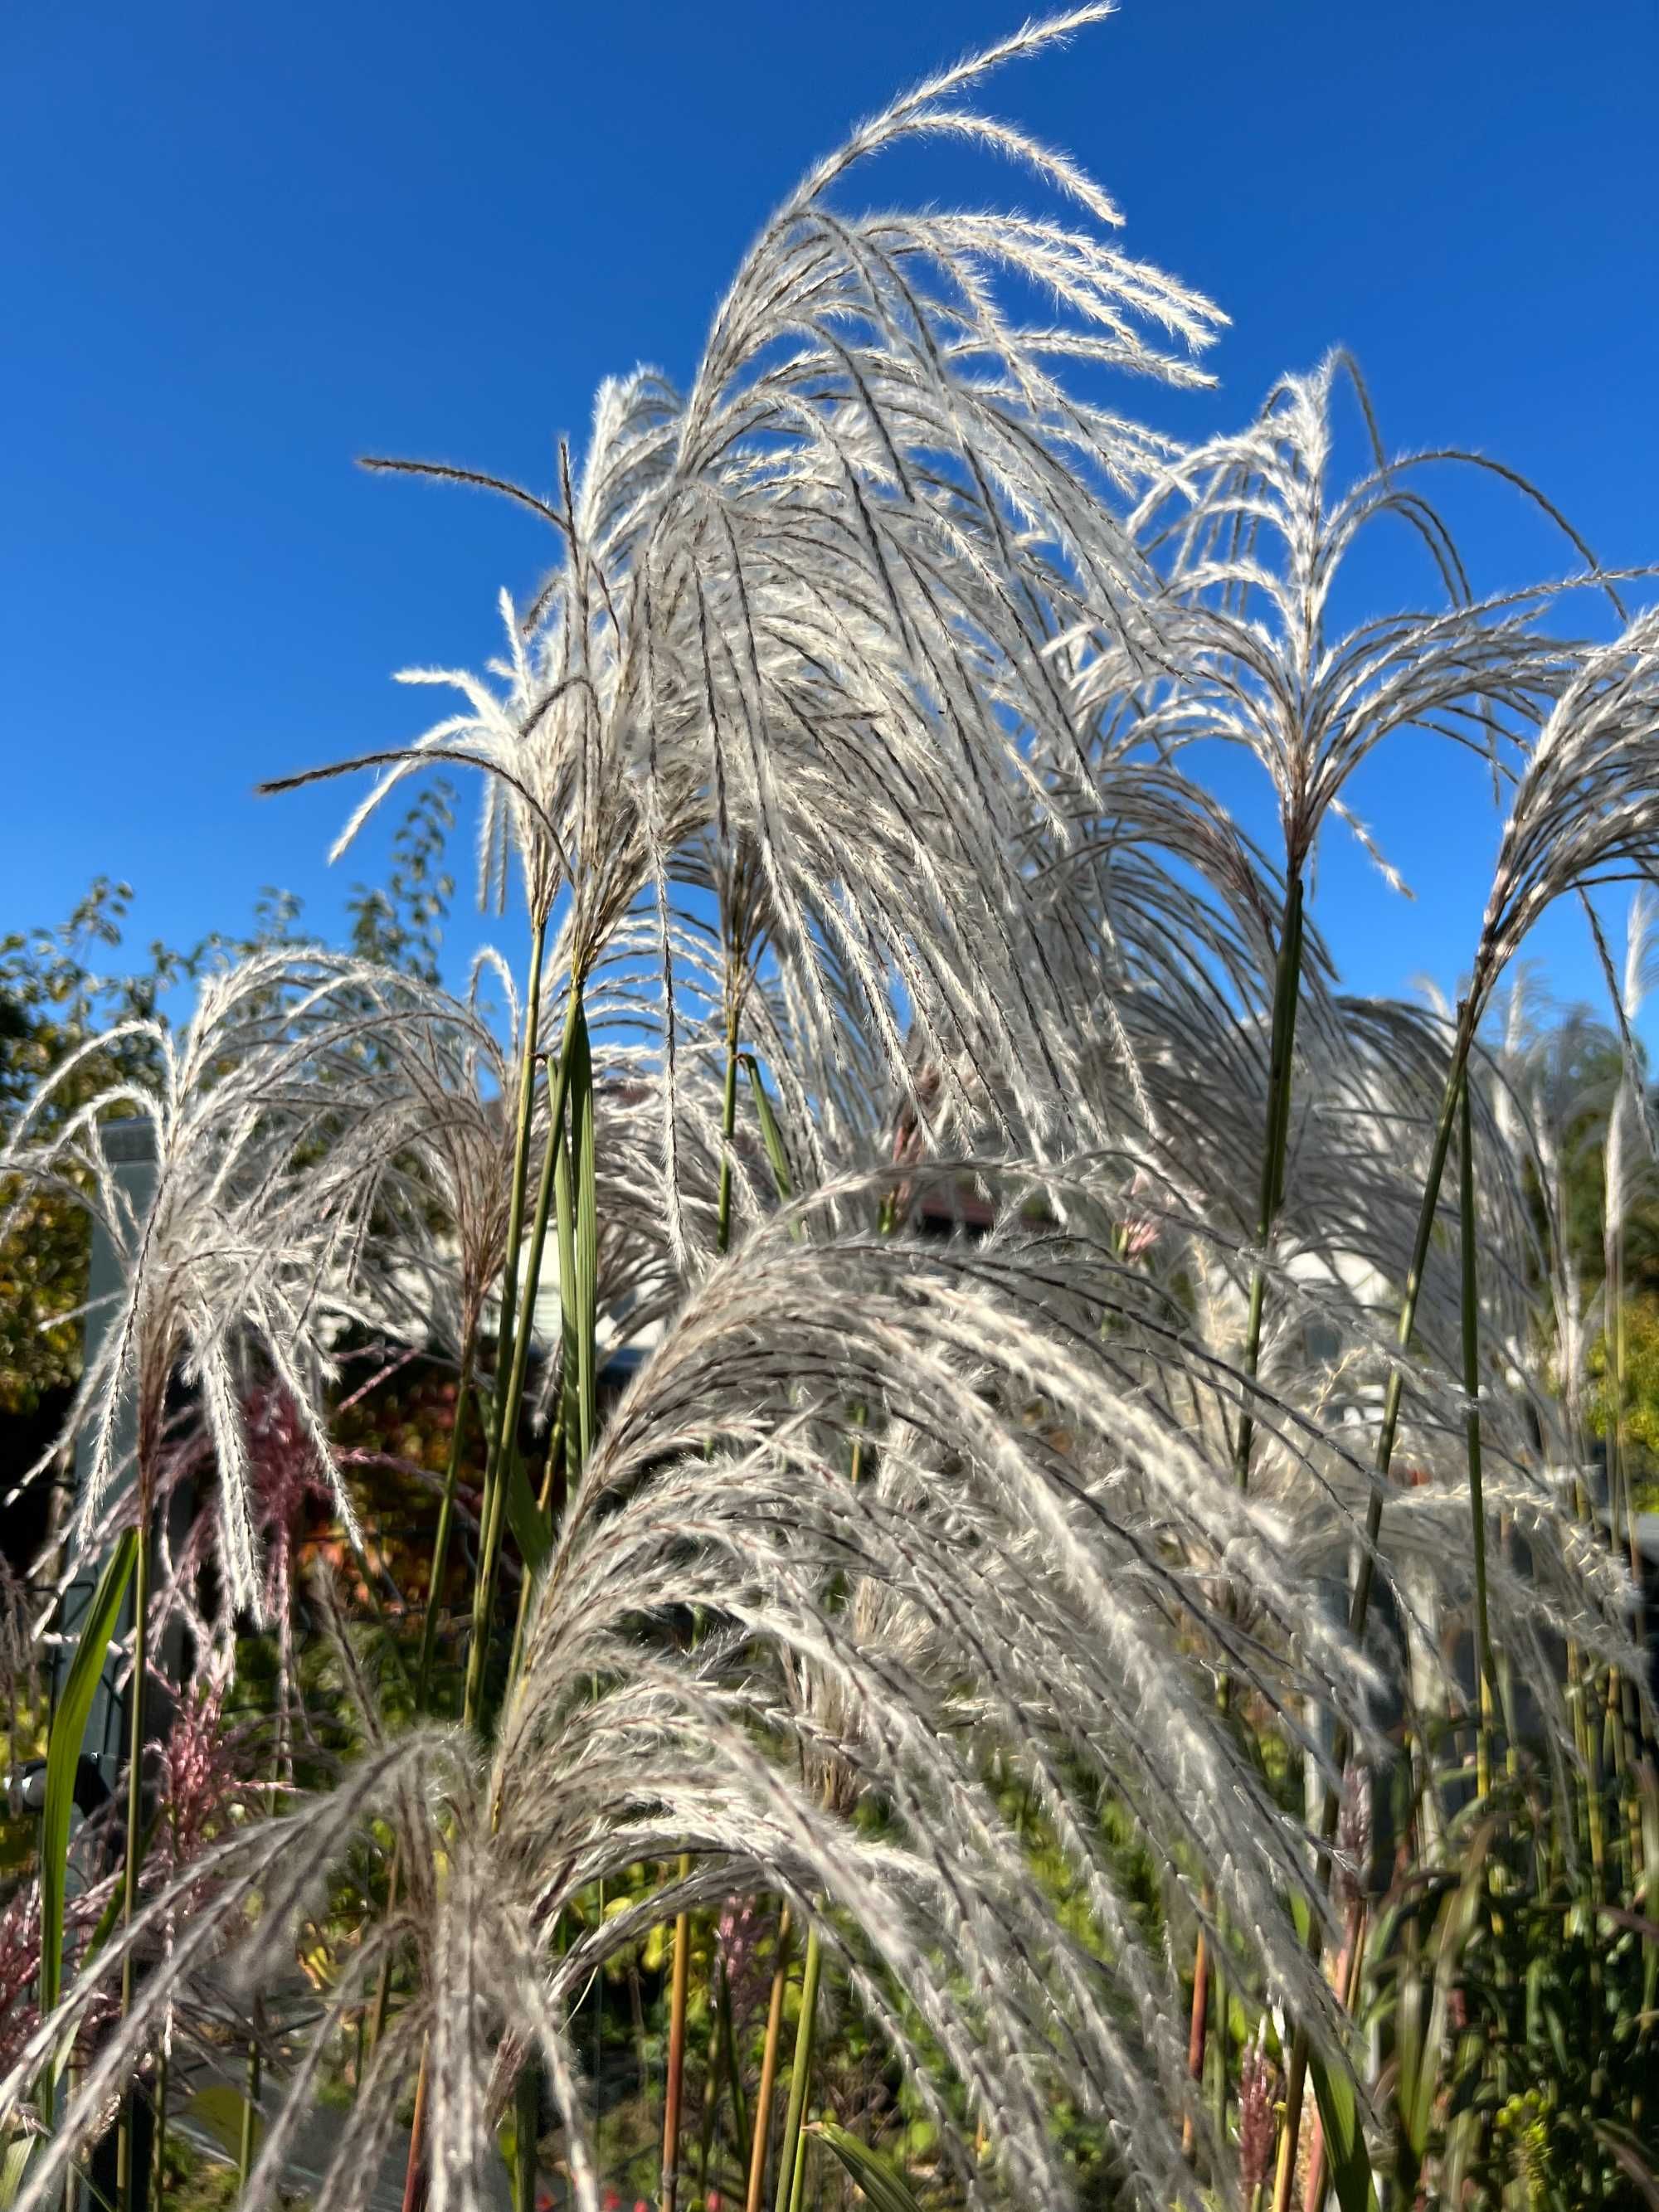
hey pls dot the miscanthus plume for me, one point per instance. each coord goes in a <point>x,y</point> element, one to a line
<point>1025,1563</point>
<point>236,1240</point>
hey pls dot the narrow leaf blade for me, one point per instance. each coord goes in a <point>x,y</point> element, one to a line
<point>68,1730</point>
<point>880,2187</point>
<point>1345,2153</point>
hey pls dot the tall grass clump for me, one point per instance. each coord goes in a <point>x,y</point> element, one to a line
<point>934,1285</point>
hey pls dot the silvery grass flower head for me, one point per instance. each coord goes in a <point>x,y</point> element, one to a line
<point>1630,1156</point>
<point>1372,1073</point>
<point>433,1125</point>
<point>231,1267</point>
<point>442,1124</point>
<point>1251,536</point>
<point>436,1128</point>
<point>981,1554</point>
<point>1156,917</point>
<point>1022,1560</point>
<point>1347,1237</point>
<point>1585,807</point>
<point>1148,919</point>
<point>1374,1077</point>
<point>1558,1088</point>
<point>1584,812</point>
<point>721,987</point>
<point>1162,917</point>
<point>784,599</point>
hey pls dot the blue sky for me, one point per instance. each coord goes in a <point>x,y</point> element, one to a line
<point>243,245</point>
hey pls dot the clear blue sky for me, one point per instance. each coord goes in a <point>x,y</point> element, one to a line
<point>241,245</point>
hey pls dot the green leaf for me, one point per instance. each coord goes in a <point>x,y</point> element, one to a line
<point>1345,2153</point>
<point>517,2133</point>
<point>1557,2037</point>
<point>576,1198</point>
<point>1648,1783</point>
<point>1535,1987</point>
<point>1415,2095</point>
<point>1627,2151</point>
<point>772,1136</point>
<point>1421,2045</point>
<point>880,2187</point>
<point>13,2165</point>
<point>524,1517</point>
<point>219,2112</point>
<point>68,1730</point>
<point>1463,2139</point>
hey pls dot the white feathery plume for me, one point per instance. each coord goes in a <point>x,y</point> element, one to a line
<point>1251,520</point>
<point>791,605</point>
<point>233,1267</point>
<point>1033,1559</point>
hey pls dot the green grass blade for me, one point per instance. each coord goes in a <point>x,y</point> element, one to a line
<point>587,1230</point>
<point>525,1518</point>
<point>1345,2156</point>
<point>1628,2152</point>
<point>69,1729</point>
<point>576,1201</point>
<point>771,1137</point>
<point>14,2166</point>
<point>220,2112</point>
<point>740,2135</point>
<point>1347,2159</point>
<point>1648,1787</point>
<point>877,2182</point>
